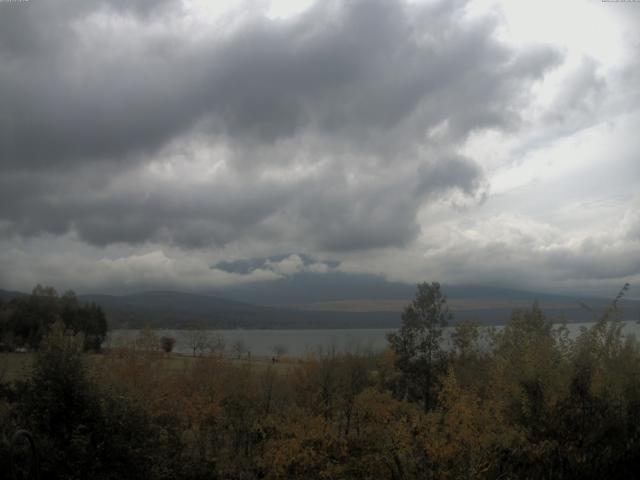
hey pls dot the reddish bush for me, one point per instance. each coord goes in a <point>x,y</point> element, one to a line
<point>167,344</point>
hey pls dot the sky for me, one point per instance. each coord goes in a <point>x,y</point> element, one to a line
<point>195,145</point>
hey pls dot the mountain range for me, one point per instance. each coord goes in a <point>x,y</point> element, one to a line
<point>329,301</point>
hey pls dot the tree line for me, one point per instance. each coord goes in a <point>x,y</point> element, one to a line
<point>526,401</point>
<point>26,320</point>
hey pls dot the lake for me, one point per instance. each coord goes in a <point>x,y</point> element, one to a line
<point>299,342</point>
<point>262,342</point>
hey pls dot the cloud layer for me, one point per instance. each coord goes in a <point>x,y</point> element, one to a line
<point>345,94</point>
<point>135,133</point>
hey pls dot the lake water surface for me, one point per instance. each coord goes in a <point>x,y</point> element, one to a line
<point>299,342</point>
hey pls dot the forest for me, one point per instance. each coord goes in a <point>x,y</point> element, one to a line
<point>525,401</point>
<point>25,320</point>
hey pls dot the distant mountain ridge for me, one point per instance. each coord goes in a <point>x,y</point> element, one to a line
<point>7,295</point>
<point>174,309</point>
<point>171,309</point>
<point>307,287</point>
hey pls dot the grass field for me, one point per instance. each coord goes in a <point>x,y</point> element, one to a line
<point>16,366</point>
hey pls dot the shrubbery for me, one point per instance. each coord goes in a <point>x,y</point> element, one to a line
<point>523,402</point>
<point>83,430</point>
<point>25,321</point>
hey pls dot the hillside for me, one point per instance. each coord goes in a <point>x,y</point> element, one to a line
<point>329,307</point>
<point>187,310</point>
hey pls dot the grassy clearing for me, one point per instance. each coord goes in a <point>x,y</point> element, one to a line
<point>15,366</point>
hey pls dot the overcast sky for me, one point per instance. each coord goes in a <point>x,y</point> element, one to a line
<point>165,144</point>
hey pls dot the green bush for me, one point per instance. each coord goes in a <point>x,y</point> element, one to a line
<point>83,431</point>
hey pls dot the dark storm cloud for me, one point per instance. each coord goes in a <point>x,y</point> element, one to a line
<point>69,95</point>
<point>451,171</point>
<point>126,213</point>
<point>372,74</point>
<point>323,212</point>
<point>360,83</point>
<point>355,70</point>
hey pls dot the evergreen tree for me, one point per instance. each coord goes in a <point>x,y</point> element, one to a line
<point>419,355</point>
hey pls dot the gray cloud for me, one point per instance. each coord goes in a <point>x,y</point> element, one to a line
<point>454,171</point>
<point>368,73</point>
<point>324,212</point>
<point>339,133</point>
<point>581,93</point>
<point>347,92</point>
<point>43,28</point>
